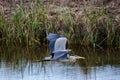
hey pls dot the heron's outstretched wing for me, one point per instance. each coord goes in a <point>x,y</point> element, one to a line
<point>60,44</point>
<point>52,38</point>
<point>60,51</point>
<point>57,46</point>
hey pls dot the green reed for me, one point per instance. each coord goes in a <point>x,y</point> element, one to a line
<point>24,26</point>
<point>112,33</point>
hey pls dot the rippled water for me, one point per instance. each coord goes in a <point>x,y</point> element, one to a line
<point>19,64</point>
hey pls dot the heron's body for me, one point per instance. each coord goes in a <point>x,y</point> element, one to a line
<point>69,59</point>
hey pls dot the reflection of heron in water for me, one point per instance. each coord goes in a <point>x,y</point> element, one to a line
<point>58,49</point>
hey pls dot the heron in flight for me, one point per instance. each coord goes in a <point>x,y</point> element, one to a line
<point>58,51</point>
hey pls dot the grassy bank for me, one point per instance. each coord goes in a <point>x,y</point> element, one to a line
<point>87,26</point>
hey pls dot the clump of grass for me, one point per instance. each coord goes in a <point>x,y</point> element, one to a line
<point>23,27</point>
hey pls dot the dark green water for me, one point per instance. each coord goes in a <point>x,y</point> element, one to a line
<point>18,64</point>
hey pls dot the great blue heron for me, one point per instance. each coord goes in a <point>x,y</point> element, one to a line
<point>58,49</point>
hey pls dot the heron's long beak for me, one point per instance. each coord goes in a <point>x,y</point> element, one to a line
<point>79,57</point>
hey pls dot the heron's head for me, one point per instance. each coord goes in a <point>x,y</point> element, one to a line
<point>74,58</point>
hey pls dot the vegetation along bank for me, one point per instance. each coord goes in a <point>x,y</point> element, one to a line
<point>86,22</point>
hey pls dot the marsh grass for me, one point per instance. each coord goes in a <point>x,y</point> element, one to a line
<point>87,29</point>
<point>23,27</point>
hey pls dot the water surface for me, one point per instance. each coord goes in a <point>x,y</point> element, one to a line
<point>19,64</point>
